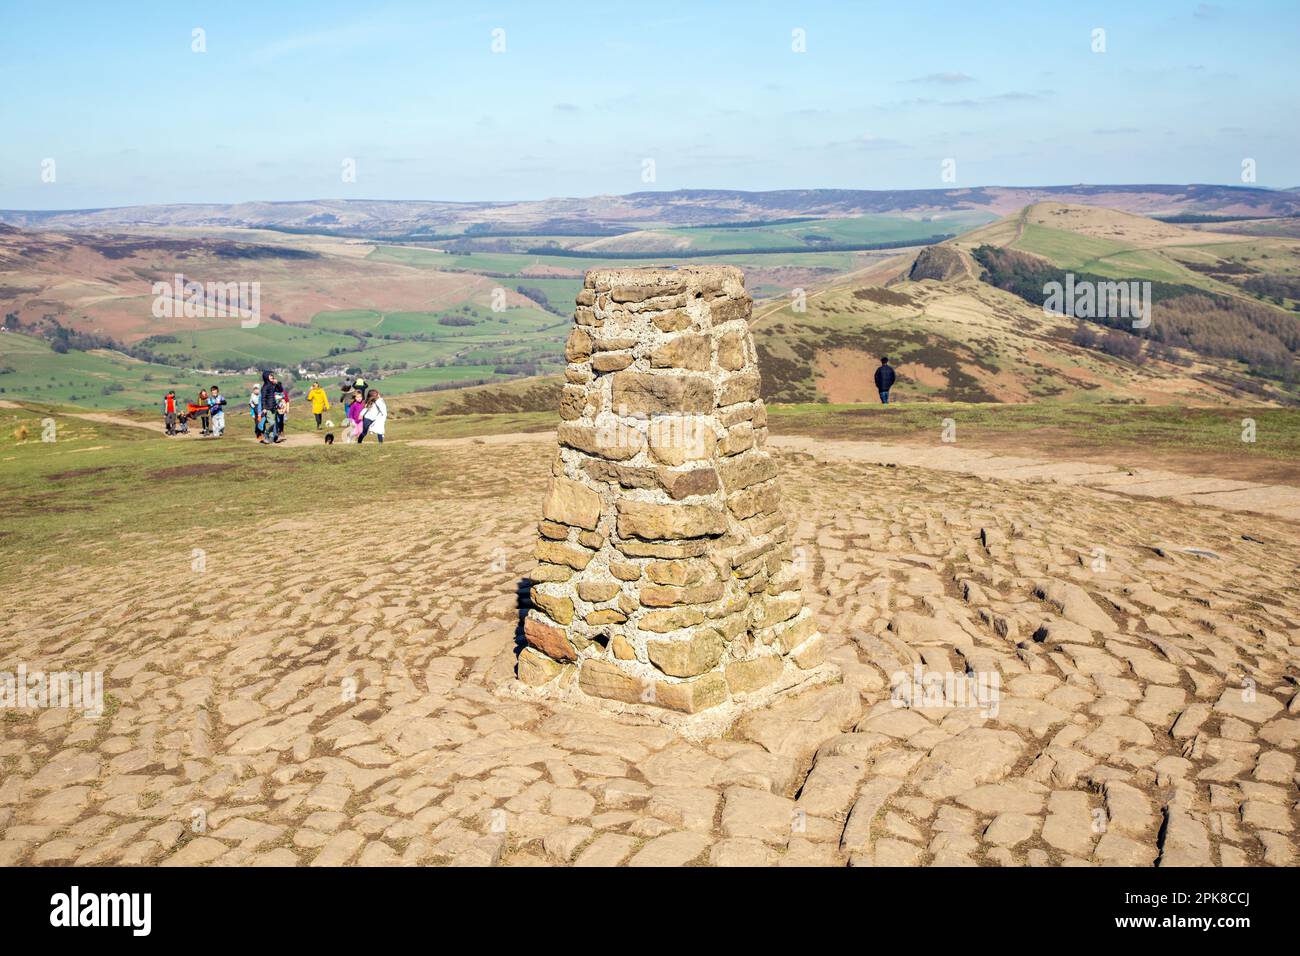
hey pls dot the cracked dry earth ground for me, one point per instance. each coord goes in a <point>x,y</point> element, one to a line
<point>1148,709</point>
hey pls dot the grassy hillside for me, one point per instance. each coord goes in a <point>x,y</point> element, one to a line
<point>421,318</point>
<point>322,307</point>
<point>806,234</point>
<point>955,341</point>
<point>1107,257</point>
<point>1217,296</point>
<point>1120,245</point>
<point>539,265</point>
<point>389,218</point>
<point>269,343</point>
<point>102,379</point>
<point>29,369</point>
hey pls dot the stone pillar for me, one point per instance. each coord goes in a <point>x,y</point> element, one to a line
<point>664,584</point>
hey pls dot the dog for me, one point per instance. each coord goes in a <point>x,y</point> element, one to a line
<point>329,438</point>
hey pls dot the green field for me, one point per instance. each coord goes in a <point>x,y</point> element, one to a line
<point>410,380</point>
<point>811,234</point>
<point>269,342</point>
<point>516,264</point>
<point>1106,257</point>
<point>30,370</point>
<point>513,321</point>
<point>662,238</point>
<point>98,379</point>
<point>559,293</point>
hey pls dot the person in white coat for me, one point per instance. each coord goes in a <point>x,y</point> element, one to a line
<point>374,418</point>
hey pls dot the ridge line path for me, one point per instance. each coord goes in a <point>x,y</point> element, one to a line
<point>106,418</point>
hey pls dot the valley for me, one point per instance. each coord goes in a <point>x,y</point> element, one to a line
<point>935,279</point>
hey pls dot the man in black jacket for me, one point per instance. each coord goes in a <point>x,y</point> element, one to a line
<point>266,409</point>
<point>884,379</point>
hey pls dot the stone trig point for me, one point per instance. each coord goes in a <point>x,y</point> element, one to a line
<point>665,585</point>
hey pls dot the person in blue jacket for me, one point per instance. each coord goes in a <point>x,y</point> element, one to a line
<point>217,411</point>
<point>254,409</point>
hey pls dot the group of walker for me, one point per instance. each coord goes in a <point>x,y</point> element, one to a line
<point>364,411</point>
<point>209,409</point>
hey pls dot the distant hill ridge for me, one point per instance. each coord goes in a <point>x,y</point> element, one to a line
<point>684,207</point>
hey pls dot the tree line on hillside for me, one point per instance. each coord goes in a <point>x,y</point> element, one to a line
<point>61,338</point>
<point>1276,287</point>
<point>1186,218</point>
<point>752,223</point>
<point>1183,316</point>
<point>1124,345</point>
<point>539,296</point>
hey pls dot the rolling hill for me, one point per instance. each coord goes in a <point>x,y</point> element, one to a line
<point>956,336</point>
<point>601,215</point>
<point>963,318</point>
<point>323,304</point>
<point>1221,296</point>
<point>959,339</point>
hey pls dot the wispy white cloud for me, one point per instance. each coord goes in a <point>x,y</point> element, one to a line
<point>335,38</point>
<point>944,79</point>
<point>865,143</point>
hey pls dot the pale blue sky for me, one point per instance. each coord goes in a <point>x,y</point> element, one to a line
<point>584,92</point>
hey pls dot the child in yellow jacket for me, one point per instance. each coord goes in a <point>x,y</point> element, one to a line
<point>320,402</point>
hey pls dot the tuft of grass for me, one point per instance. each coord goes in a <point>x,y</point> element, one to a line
<point>100,483</point>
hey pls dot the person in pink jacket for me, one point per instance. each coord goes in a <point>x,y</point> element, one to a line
<point>355,411</point>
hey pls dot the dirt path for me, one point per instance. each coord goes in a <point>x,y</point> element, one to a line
<point>104,418</point>
<point>293,439</point>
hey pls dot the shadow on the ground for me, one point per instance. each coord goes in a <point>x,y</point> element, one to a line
<point>523,604</point>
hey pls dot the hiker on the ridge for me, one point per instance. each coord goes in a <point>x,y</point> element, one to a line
<point>169,411</point>
<point>205,411</point>
<point>884,379</point>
